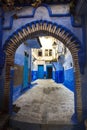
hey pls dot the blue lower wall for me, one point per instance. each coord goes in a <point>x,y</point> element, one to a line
<point>16,92</point>
<point>19,59</point>
<point>53,75</point>
<point>59,76</point>
<point>34,75</point>
<point>66,77</point>
<point>69,80</point>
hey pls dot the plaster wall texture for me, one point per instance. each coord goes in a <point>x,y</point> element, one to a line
<point>84,80</point>
<point>41,13</point>
<point>19,55</point>
<point>68,61</point>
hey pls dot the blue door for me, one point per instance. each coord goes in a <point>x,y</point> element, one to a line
<point>25,76</point>
<point>40,71</point>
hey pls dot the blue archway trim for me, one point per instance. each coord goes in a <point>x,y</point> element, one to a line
<point>77,42</point>
<point>33,14</point>
<point>47,22</point>
<point>40,21</point>
<point>53,24</point>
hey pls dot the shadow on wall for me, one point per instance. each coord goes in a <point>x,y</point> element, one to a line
<point>18,81</point>
<point>18,75</point>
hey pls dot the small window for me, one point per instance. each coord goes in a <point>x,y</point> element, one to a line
<point>39,52</point>
<point>50,52</point>
<point>46,52</point>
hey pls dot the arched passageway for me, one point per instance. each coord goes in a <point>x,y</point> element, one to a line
<point>35,29</point>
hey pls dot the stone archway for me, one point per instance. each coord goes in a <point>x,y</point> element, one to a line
<point>35,29</point>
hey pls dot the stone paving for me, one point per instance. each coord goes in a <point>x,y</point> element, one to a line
<point>46,103</point>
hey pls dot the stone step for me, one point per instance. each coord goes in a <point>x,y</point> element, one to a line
<point>28,126</point>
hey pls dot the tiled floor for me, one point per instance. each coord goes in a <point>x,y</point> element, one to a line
<point>46,103</point>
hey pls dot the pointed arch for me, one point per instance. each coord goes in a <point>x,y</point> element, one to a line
<point>35,29</point>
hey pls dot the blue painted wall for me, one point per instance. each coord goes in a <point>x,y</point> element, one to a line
<point>34,75</point>
<point>69,81</point>
<point>59,76</point>
<point>19,54</point>
<point>17,91</point>
<point>84,76</point>
<point>45,13</point>
<point>19,60</point>
<point>53,75</point>
<point>29,14</point>
<point>58,66</point>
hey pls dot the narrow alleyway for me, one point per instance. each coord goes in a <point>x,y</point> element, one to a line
<point>46,103</point>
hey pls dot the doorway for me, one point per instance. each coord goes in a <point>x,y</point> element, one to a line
<point>31,30</point>
<point>40,71</point>
<point>49,72</point>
